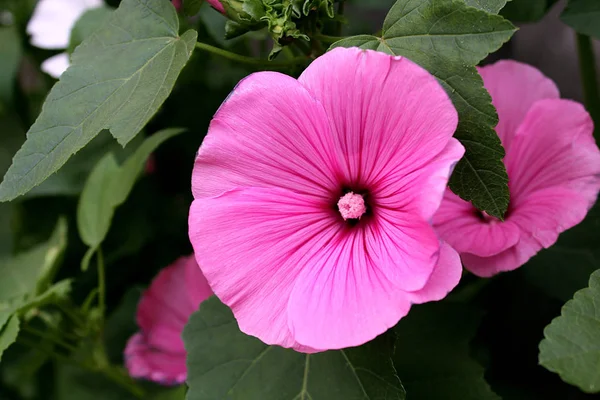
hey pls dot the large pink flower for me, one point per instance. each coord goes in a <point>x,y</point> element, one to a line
<point>313,199</point>
<point>553,166</point>
<point>156,352</point>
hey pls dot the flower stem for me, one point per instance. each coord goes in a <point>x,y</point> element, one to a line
<point>123,380</point>
<point>111,372</point>
<point>249,60</point>
<point>52,338</point>
<point>101,283</point>
<point>589,80</point>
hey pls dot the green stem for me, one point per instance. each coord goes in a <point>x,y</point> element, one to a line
<point>340,12</point>
<point>101,283</point>
<point>589,80</point>
<point>124,381</point>
<point>48,336</point>
<point>110,373</point>
<point>249,60</point>
<point>70,313</point>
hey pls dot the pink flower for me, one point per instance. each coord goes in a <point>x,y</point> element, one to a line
<point>553,165</point>
<point>313,199</point>
<point>217,5</point>
<point>156,352</point>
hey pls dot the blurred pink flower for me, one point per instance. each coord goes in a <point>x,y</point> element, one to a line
<point>313,199</point>
<point>156,352</point>
<point>217,5</point>
<point>553,165</point>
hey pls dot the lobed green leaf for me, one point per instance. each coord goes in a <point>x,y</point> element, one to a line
<point>8,334</point>
<point>224,363</point>
<point>433,356</point>
<point>118,79</point>
<point>571,344</point>
<point>491,6</point>
<point>107,187</point>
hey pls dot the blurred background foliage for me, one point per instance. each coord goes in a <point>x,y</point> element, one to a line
<point>505,316</point>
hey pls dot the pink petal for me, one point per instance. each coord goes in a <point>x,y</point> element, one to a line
<point>541,218</point>
<point>514,88</point>
<point>165,338</point>
<point>252,244</point>
<point>554,147</point>
<point>388,116</point>
<point>422,190</point>
<point>344,299</point>
<point>166,301</point>
<point>467,231</point>
<point>143,361</point>
<point>445,277</point>
<point>353,290</point>
<point>270,132</point>
<point>197,286</point>
<point>217,5</point>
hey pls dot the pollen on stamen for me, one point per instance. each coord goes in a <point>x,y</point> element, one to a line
<point>351,206</point>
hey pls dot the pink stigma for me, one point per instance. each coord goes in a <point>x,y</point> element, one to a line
<point>351,206</point>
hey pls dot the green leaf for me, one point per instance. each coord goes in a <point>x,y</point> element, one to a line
<point>225,363</point>
<point>107,187</point>
<point>176,393</point>
<point>448,39</point>
<point>118,79</point>
<point>583,16</point>
<point>491,6</point>
<point>526,10</point>
<point>29,274</point>
<point>77,384</point>
<point>87,24</point>
<point>10,58</point>
<point>71,178</point>
<point>97,202</point>
<point>9,334</point>
<point>192,7</point>
<point>135,164</point>
<point>432,354</point>
<point>571,346</point>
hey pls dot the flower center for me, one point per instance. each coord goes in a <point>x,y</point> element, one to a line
<point>351,206</point>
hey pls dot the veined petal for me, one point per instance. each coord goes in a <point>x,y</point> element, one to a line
<point>541,218</point>
<point>344,298</point>
<point>166,302</point>
<point>445,277</point>
<point>388,116</point>
<point>422,190</point>
<point>252,244</point>
<point>270,132</point>
<point>355,287</point>
<point>514,88</point>
<point>554,147</point>
<point>467,230</point>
